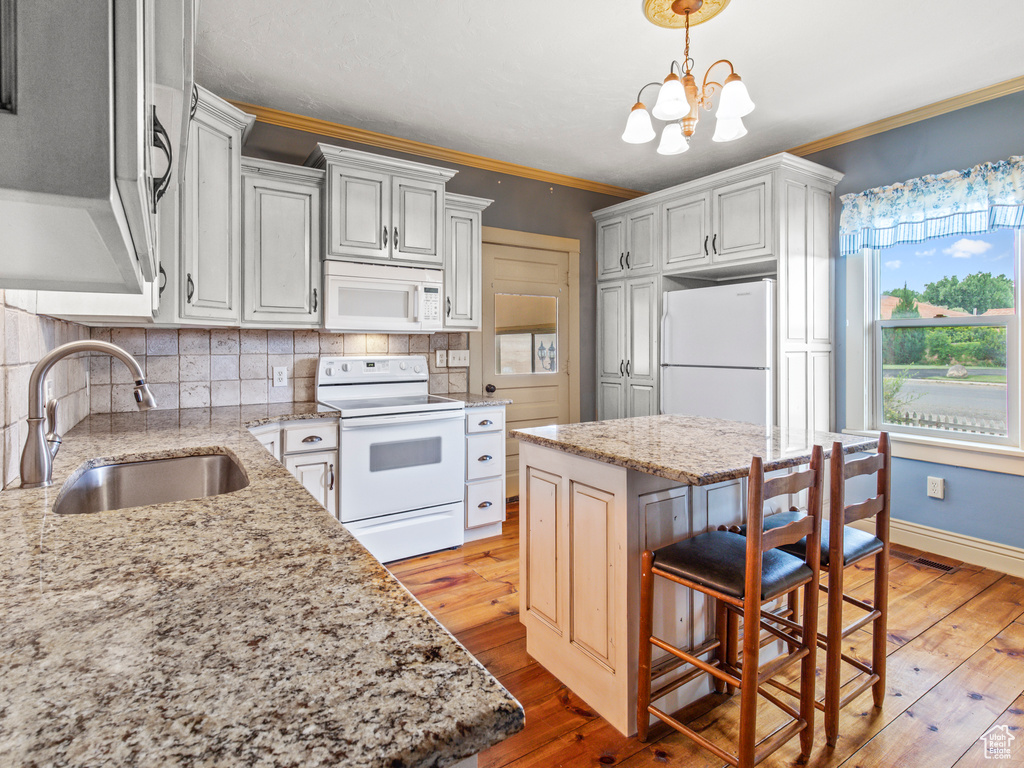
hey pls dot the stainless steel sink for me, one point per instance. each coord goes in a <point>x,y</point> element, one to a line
<point>156,481</point>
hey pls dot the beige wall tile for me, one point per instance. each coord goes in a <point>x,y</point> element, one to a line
<point>419,344</point>
<point>306,342</point>
<point>253,391</point>
<point>252,367</point>
<point>280,342</point>
<point>161,341</point>
<point>276,360</point>
<point>12,452</point>
<point>166,396</point>
<point>194,341</point>
<point>398,344</point>
<point>253,341</point>
<point>458,381</point>
<point>439,341</point>
<point>355,343</point>
<point>224,342</point>
<point>99,398</point>
<point>304,390</point>
<point>99,369</point>
<point>194,368</point>
<point>285,394</point>
<point>194,394</point>
<point>332,343</point>
<point>224,367</point>
<point>12,338</point>
<point>131,340</point>
<point>122,398</point>
<point>458,341</point>
<point>438,384</point>
<point>162,369</point>
<point>305,366</point>
<point>376,344</point>
<point>224,392</point>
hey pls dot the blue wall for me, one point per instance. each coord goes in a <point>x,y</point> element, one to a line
<point>986,505</point>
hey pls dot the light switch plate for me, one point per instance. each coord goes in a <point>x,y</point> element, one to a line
<point>441,356</point>
<point>280,376</point>
<point>48,386</point>
<point>458,358</point>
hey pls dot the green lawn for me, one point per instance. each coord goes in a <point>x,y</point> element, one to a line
<point>989,379</point>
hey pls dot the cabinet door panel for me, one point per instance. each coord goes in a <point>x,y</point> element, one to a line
<point>643,399</point>
<point>462,270</point>
<point>359,211</point>
<point>741,219</point>
<point>281,264</point>
<point>543,516</point>
<point>318,474</point>
<point>686,224</point>
<point>416,216</point>
<point>592,569</point>
<point>642,352</point>
<point>611,399</point>
<point>642,241</point>
<point>611,247</point>
<point>611,330</point>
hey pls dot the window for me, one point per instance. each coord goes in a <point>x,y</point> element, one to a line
<point>945,338</point>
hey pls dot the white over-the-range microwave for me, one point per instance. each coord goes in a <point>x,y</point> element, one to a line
<point>380,298</point>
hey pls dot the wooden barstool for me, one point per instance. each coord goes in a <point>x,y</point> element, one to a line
<point>743,574</point>
<point>845,546</point>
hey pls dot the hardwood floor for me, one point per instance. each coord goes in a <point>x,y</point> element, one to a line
<point>955,669</point>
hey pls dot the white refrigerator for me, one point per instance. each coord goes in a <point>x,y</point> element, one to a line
<point>717,352</point>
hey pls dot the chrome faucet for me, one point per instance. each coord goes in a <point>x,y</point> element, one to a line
<point>41,446</point>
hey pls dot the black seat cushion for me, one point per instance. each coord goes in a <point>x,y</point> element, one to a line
<point>717,559</point>
<point>857,544</point>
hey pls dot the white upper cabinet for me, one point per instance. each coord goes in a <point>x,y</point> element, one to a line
<point>611,247</point>
<point>742,220</point>
<point>280,244</point>
<point>628,245</point>
<point>381,209</point>
<point>686,224</point>
<point>84,152</point>
<point>463,261</point>
<point>211,213</point>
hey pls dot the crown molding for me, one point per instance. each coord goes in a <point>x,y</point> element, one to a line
<point>971,98</point>
<point>383,141</point>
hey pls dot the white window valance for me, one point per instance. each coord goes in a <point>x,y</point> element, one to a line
<point>985,197</point>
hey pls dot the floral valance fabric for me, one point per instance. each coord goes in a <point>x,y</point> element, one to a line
<point>988,196</point>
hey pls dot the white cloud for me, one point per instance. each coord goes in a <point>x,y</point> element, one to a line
<point>893,264</point>
<point>929,252</point>
<point>965,248</point>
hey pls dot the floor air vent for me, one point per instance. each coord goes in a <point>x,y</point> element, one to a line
<point>923,561</point>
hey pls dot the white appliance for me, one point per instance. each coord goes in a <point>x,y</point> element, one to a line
<point>402,454</point>
<point>379,298</point>
<point>717,352</point>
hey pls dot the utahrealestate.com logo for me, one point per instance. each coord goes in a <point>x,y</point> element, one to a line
<point>998,742</point>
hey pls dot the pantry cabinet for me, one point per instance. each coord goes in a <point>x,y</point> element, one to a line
<point>280,244</point>
<point>627,347</point>
<point>381,209</point>
<point>463,261</point>
<point>628,245</point>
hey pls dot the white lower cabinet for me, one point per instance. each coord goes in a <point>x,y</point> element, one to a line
<point>269,436</point>
<point>627,347</point>
<point>311,454</point>
<point>485,471</point>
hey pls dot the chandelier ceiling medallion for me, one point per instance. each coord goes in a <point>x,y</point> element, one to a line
<point>679,99</point>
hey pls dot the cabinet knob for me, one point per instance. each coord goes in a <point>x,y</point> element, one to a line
<point>490,389</point>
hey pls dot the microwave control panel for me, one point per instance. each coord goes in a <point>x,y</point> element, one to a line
<point>431,304</point>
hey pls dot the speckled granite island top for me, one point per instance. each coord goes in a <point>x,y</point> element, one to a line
<point>238,630</point>
<point>693,450</point>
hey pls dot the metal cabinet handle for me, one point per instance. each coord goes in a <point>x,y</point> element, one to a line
<point>714,249</point>
<point>627,260</point>
<point>312,439</point>
<point>195,101</point>
<point>485,457</point>
<point>627,367</point>
<point>394,240</point>
<point>163,281</point>
<point>385,237</point>
<point>706,244</point>
<point>162,142</point>
<point>486,423</point>
<point>622,367</point>
<point>315,303</point>
<point>449,302</point>
<point>484,505</point>
<point>621,257</point>
<point>330,482</point>
<point>190,288</point>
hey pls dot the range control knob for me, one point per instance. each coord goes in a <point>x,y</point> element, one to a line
<point>418,369</point>
<point>344,366</point>
<point>329,371</point>
<point>401,366</point>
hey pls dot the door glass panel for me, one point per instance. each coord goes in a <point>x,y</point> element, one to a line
<point>401,454</point>
<point>525,332</point>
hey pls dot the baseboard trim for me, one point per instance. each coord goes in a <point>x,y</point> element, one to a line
<point>988,554</point>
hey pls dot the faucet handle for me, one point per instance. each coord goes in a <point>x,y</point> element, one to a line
<point>53,439</point>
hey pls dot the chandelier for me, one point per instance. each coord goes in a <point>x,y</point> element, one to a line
<point>679,100</point>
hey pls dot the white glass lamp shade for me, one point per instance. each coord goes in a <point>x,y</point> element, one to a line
<point>673,142</point>
<point>638,126</point>
<point>728,129</point>
<point>735,101</point>
<point>671,103</point>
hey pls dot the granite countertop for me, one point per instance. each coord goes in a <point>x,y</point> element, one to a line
<point>244,629</point>
<point>690,449</point>
<point>478,401</point>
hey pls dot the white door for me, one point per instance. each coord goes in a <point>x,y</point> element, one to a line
<point>611,248</point>
<point>462,269</point>
<point>741,213</point>
<point>685,224</point>
<point>318,474</point>
<point>611,399</point>
<point>641,241</point>
<point>642,348</point>
<point>281,254</point>
<point>611,330</point>
<point>417,221</point>
<point>359,214</point>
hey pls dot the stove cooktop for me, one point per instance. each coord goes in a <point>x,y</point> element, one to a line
<point>376,406</point>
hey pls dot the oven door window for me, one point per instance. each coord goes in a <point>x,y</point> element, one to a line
<point>402,454</point>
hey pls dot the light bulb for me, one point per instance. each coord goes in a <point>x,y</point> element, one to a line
<point>638,126</point>
<point>735,101</point>
<point>671,103</point>
<point>728,129</point>
<point>673,142</point>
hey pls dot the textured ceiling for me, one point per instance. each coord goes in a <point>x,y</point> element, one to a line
<point>549,83</point>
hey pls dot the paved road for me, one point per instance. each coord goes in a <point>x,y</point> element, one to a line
<point>927,373</point>
<point>951,398</point>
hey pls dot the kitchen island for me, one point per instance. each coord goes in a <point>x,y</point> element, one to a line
<point>593,497</point>
<point>243,629</point>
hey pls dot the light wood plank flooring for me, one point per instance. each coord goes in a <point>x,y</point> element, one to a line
<point>956,669</point>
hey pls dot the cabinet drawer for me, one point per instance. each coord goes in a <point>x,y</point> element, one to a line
<point>310,436</point>
<point>485,420</point>
<point>484,503</point>
<point>485,455</point>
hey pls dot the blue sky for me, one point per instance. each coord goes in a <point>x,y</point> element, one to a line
<point>917,264</point>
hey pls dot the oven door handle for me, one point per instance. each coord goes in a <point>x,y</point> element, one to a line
<point>399,419</point>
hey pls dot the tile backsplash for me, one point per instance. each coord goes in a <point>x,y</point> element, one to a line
<point>198,367</point>
<point>27,337</point>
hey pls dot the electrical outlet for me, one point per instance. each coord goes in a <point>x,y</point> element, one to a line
<point>458,358</point>
<point>936,488</point>
<point>280,376</point>
<point>442,358</point>
<point>49,390</point>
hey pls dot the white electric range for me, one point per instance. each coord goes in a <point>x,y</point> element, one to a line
<point>402,454</point>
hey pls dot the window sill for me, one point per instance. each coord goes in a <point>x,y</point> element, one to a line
<point>959,453</point>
